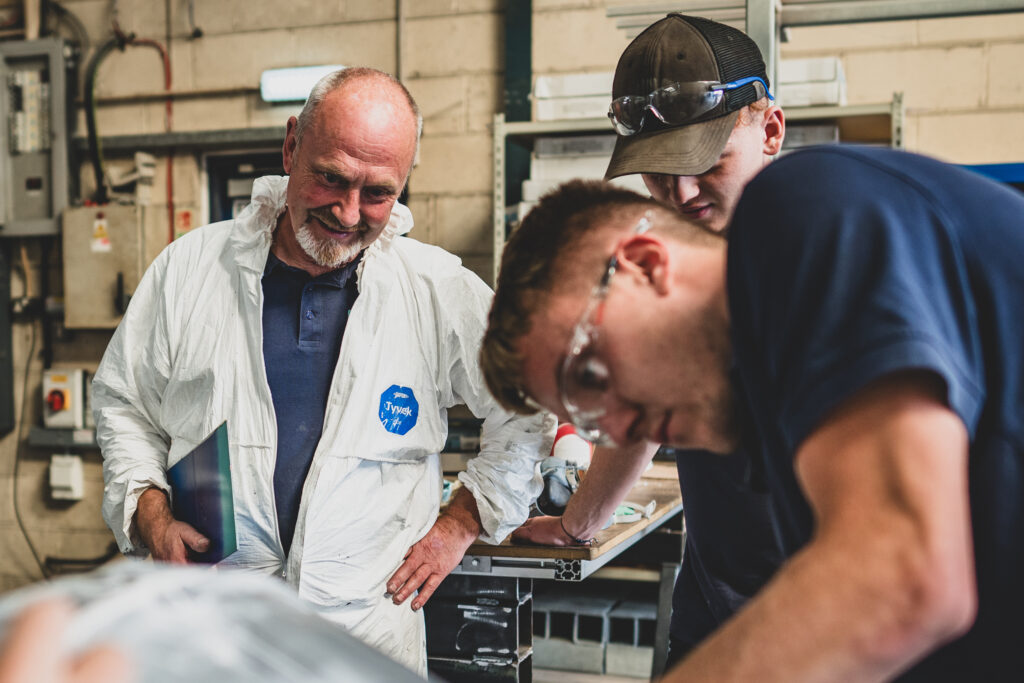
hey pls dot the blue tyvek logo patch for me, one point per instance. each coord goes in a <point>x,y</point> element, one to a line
<point>398,409</point>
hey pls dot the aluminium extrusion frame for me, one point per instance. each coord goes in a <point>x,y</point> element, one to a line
<point>558,569</point>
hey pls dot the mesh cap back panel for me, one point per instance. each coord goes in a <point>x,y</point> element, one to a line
<point>738,57</point>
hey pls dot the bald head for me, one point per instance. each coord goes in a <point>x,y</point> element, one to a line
<point>373,96</point>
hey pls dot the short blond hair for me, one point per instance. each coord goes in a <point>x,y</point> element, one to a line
<point>748,114</point>
<point>559,244</point>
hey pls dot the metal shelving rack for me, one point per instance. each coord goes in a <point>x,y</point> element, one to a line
<point>503,131</point>
<point>880,124</point>
<point>766,21</point>
<point>864,123</point>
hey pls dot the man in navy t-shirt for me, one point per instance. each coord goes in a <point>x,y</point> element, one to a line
<point>863,337</point>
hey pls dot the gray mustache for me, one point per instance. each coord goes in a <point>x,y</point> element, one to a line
<point>327,218</point>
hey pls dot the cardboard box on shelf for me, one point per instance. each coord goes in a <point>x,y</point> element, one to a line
<point>803,135</point>
<point>534,188</point>
<point>811,82</point>
<point>811,69</point>
<point>568,166</point>
<point>814,93</point>
<point>582,107</point>
<point>573,84</point>
<point>598,145</point>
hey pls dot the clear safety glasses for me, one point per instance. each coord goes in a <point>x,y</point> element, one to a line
<point>585,381</point>
<point>676,103</point>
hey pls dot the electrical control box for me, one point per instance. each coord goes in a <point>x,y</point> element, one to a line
<point>33,135</point>
<point>67,480</point>
<point>103,263</point>
<point>65,404</point>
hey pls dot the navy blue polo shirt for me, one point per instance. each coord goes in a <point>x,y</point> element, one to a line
<point>303,323</point>
<point>847,264</point>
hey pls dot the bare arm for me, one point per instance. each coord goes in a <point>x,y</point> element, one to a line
<point>612,473</point>
<point>889,573</point>
<point>127,395</point>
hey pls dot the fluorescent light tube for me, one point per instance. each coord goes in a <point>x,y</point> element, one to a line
<point>294,84</point>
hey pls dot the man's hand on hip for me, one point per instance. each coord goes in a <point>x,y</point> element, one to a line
<point>167,539</point>
<point>435,555</point>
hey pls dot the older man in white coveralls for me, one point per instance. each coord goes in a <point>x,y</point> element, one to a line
<point>299,323</point>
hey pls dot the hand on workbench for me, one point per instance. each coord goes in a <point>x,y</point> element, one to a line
<point>28,653</point>
<point>612,473</point>
<point>167,538</point>
<point>545,530</point>
<point>435,555</point>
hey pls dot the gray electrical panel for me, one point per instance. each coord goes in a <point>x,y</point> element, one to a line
<point>103,263</point>
<point>33,136</point>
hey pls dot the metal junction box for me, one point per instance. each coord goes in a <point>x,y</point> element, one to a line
<point>33,136</point>
<point>103,263</point>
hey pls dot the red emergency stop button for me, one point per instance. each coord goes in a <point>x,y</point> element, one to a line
<point>56,400</point>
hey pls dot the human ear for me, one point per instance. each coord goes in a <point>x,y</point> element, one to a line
<point>290,143</point>
<point>774,130</point>
<point>647,257</point>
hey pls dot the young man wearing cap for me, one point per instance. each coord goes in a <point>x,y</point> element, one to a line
<point>694,115</point>
<point>691,104</point>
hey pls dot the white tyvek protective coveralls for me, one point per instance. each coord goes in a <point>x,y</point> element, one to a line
<point>188,355</point>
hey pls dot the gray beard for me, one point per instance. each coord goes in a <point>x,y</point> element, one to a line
<point>326,253</point>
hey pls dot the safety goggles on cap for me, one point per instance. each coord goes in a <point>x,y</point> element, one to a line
<point>585,381</point>
<point>676,104</point>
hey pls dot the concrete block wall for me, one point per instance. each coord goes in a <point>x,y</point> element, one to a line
<point>453,59</point>
<point>964,94</point>
<point>58,529</point>
<point>961,78</point>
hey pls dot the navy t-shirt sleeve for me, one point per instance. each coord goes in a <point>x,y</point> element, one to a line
<point>828,292</point>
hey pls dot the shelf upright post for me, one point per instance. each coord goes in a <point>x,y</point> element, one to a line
<point>896,118</point>
<point>498,194</point>
<point>518,84</point>
<point>763,28</point>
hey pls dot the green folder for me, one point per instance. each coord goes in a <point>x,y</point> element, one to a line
<point>201,486</point>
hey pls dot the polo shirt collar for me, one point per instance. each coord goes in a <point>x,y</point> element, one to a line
<point>337,278</point>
